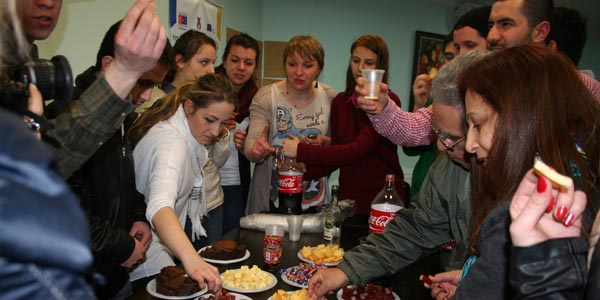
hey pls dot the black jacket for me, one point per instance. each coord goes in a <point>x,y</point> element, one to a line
<point>106,186</point>
<point>554,269</point>
<point>593,287</point>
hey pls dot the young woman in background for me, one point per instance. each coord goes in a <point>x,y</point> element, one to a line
<point>363,156</point>
<point>298,105</point>
<point>239,63</point>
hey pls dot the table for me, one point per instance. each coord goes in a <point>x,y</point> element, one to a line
<point>253,239</point>
<point>405,283</point>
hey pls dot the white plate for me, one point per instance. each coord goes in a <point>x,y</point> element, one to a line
<point>151,289</point>
<point>224,262</point>
<point>233,289</point>
<point>339,295</point>
<point>292,283</point>
<point>237,296</point>
<point>302,258</point>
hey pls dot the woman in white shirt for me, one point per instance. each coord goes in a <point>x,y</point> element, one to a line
<point>169,155</point>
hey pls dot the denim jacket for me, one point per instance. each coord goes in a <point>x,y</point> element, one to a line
<point>44,239</point>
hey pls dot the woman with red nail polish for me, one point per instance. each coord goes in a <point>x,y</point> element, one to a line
<point>515,110</point>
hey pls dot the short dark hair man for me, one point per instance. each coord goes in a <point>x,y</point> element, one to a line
<point>518,22</point>
<point>120,233</point>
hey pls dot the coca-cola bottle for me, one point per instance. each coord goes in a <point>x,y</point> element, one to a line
<point>385,205</point>
<point>291,186</point>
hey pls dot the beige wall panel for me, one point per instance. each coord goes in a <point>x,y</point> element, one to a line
<point>273,66</point>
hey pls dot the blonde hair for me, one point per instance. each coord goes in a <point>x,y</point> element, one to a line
<point>206,90</point>
<point>307,47</point>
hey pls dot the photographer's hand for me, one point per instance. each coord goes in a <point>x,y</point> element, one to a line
<point>138,45</point>
<point>35,103</point>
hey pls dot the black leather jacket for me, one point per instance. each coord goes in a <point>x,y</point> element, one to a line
<point>106,187</point>
<point>554,269</point>
<point>593,287</point>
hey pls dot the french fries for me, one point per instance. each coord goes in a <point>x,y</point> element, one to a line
<point>323,254</point>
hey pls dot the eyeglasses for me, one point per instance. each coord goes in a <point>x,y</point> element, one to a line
<point>449,141</point>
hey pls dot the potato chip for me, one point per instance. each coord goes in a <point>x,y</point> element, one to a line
<point>323,253</point>
<point>295,295</point>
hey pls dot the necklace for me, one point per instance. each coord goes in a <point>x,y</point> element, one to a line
<point>297,98</point>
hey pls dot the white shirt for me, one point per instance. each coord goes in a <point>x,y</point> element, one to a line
<point>168,165</point>
<point>230,172</point>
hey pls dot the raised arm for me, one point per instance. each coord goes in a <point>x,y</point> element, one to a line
<point>389,120</point>
<point>93,118</point>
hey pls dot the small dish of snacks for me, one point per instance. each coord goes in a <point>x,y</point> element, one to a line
<point>224,252</point>
<point>225,295</point>
<point>299,275</point>
<point>322,254</point>
<point>248,280</point>
<point>368,292</point>
<point>290,295</point>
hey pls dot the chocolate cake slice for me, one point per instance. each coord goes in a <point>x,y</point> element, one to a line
<point>173,281</point>
<point>224,250</point>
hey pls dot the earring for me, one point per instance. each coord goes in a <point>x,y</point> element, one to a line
<point>316,84</point>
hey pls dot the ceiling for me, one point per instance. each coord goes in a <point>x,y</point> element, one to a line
<point>585,7</point>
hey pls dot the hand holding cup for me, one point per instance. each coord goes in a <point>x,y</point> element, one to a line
<point>370,106</point>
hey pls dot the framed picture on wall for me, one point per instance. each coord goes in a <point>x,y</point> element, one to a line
<point>428,57</point>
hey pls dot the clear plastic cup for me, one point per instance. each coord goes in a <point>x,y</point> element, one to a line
<point>295,227</point>
<point>273,229</point>
<point>371,81</point>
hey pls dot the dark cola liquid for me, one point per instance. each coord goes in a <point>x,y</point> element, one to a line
<point>290,204</point>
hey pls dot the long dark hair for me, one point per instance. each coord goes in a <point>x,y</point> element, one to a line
<point>376,44</point>
<point>245,41</point>
<point>187,46</point>
<point>536,114</point>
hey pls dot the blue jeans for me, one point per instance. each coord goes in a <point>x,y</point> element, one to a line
<point>213,224</point>
<point>234,207</point>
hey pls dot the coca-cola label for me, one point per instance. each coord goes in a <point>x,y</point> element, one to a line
<point>381,214</point>
<point>290,183</point>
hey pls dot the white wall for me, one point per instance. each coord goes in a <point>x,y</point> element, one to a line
<point>82,25</point>
<point>336,23</point>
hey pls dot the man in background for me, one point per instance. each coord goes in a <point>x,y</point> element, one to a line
<point>514,23</point>
<point>120,233</point>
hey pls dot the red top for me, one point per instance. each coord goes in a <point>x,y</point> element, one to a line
<point>363,156</point>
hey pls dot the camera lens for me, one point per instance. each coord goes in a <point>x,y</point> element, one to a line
<point>52,77</point>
